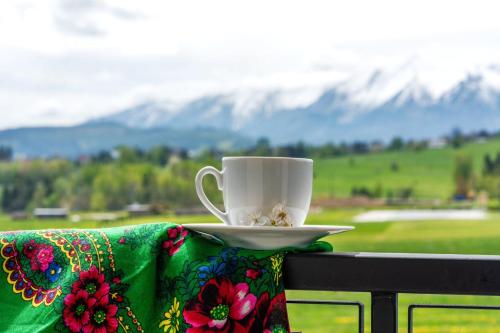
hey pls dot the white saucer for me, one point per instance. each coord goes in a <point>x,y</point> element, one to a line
<point>266,238</point>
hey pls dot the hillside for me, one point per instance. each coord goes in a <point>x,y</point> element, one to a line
<point>91,138</point>
<point>428,172</point>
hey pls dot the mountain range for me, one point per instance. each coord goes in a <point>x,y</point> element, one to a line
<point>378,106</point>
<point>375,106</point>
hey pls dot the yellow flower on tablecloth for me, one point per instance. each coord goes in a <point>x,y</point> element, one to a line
<point>276,263</point>
<point>172,322</point>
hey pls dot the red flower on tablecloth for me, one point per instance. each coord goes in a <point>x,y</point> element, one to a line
<point>85,247</point>
<point>271,315</point>
<point>76,311</point>
<point>102,317</point>
<point>92,282</point>
<point>221,307</point>
<point>41,257</point>
<point>175,239</point>
<point>87,308</point>
<point>29,248</point>
<point>253,273</point>
<point>83,313</point>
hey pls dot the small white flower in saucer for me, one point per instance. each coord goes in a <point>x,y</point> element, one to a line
<point>262,221</point>
<point>256,219</point>
<point>280,217</point>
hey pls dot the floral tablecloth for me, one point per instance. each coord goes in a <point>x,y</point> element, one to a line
<point>144,278</point>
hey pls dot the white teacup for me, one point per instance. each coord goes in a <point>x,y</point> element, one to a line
<point>261,190</point>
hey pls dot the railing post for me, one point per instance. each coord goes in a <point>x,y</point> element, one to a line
<point>384,312</point>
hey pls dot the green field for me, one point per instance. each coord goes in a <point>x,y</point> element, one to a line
<point>477,237</point>
<point>429,172</point>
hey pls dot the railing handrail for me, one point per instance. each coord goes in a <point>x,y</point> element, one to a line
<point>394,272</point>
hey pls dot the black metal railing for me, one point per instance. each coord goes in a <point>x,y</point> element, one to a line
<point>385,275</point>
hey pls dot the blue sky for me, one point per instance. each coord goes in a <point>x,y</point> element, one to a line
<point>62,62</point>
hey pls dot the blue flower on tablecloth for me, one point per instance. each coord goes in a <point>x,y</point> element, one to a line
<point>52,273</point>
<point>210,271</point>
<point>224,264</point>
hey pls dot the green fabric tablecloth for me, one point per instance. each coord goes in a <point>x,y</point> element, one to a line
<point>144,278</point>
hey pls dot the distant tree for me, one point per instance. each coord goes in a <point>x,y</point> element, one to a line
<point>286,151</point>
<point>159,155</point>
<point>182,154</point>
<point>491,166</point>
<point>327,150</point>
<point>457,138</point>
<point>300,150</point>
<point>483,134</point>
<point>103,156</point>
<point>39,195</point>
<point>6,193</point>
<point>488,165</point>
<point>419,145</point>
<point>363,191</point>
<point>17,194</point>
<point>128,154</point>
<point>404,193</point>
<point>343,148</point>
<point>396,143</point>
<point>263,147</point>
<point>209,155</point>
<point>463,175</point>
<point>5,153</point>
<point>360,147</point>
<point>98,201</point>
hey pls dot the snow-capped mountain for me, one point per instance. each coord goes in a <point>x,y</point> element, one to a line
<point>377,105</point>
<point>144,115</point>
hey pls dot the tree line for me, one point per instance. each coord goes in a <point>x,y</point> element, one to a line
<point>163,176</point>
<point>98,186</point>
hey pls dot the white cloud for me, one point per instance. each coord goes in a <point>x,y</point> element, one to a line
<point>62,61</point>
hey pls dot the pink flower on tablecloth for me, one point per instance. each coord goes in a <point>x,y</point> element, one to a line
<point>41,257</point>
<point>221,307</point>
<point>176,237</point>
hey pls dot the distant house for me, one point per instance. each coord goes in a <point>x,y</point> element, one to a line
<point>137,209</point>
<point>50,213</point>
<point>437,143</point>
<point>376,146</point>
<point>19,215</point>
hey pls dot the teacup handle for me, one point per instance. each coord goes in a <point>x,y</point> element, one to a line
<point>209,170</point>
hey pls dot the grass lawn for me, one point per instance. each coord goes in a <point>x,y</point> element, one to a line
<point>428,172</point>
<point>475,237</point>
